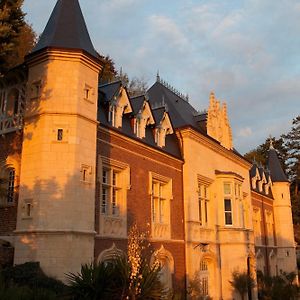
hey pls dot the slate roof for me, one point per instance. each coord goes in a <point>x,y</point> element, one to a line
<point>276,171</point>
<point>180,111</point>
<point>137,103</point>
<point>109,90</point>
<point>158,114</point>
<point>66,29</point>
<point>106,93</point>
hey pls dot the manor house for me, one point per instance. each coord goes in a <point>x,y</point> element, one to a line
<point>84,161</point>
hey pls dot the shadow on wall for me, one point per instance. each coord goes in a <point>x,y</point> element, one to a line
<point>20,102</point>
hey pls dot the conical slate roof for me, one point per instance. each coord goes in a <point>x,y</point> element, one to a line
<point>276,171</point>
<point>66,29</point>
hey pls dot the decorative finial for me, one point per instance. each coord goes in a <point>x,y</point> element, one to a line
<point>212,98</point>
<point>271,142</point>
<point>157,76</point>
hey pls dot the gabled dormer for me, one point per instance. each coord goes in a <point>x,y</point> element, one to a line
<point>268,185</point>
<point>163,126</point>
<point>115,96</point>
<point>255,176</point>
<point>263,179</point>
<point>142,115</point>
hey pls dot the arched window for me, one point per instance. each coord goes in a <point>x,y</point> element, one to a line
<point>204,278</point>
<point>166,261</point>
<point>110,254</point>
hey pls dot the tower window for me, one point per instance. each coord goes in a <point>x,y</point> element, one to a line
<point>60,134</point>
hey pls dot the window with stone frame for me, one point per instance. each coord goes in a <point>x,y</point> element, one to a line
<point>204,278</point>
<point>240,203</point>
<point>7,187</point>
<point>228,197</point>
<point>270,227</point>
<point>110,191</point>
<point>203,204</point>
<point>114,180</point>
<point>257,225</point>
<point>161,193</point>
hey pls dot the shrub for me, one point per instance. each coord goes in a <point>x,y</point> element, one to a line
<point>30,281</point>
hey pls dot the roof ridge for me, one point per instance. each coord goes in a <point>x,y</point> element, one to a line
<point>172,89</point>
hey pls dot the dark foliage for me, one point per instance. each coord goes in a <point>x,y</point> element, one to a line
<point>30,275</point>
<point>277,287</point>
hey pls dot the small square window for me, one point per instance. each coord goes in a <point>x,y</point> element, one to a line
<point>86,172</point>
<point>60,134</point>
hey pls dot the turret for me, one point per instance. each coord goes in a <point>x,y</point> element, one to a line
<point>282,214</point>
<point>56,210</point>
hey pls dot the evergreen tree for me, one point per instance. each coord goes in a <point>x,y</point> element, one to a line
<point>108,72</point>
<point>292,143</point>
<point>17,38</point>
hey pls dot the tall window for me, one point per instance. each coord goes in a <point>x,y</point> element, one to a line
<point>239,199</point>
<point>110,192</point>
<point>204,275</point>
<point>158,202</point>
<point>228,203</point>
<point>203,202</point>
<point>11,186</point>
<point>2,102</point>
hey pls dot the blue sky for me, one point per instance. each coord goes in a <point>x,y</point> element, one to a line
<point>246,51</point>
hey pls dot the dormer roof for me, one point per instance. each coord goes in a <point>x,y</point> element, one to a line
<point>66,29</point>
<point>158,114</point>
<point>276,171</point>
<point>137,103</point>
<point>109,90</point>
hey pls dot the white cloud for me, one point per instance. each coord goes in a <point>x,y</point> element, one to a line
<point>245,132</point>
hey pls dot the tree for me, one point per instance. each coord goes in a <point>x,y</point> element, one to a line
<point>135,86</point>
<point>17,38</point>
<point>292,143</point>
<point>108,72</point>
<point>242,282</point>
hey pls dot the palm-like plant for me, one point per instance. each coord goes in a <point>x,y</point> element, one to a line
<point>111,280</point>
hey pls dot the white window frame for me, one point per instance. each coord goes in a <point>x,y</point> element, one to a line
<point>228,196</point>
<point>160,190</point>
<point>112,197</point>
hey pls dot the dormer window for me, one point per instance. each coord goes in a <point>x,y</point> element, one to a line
<point>162,130</point>
<point>119,105</point>
<point>111,115</point>
<point>143,119</point>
